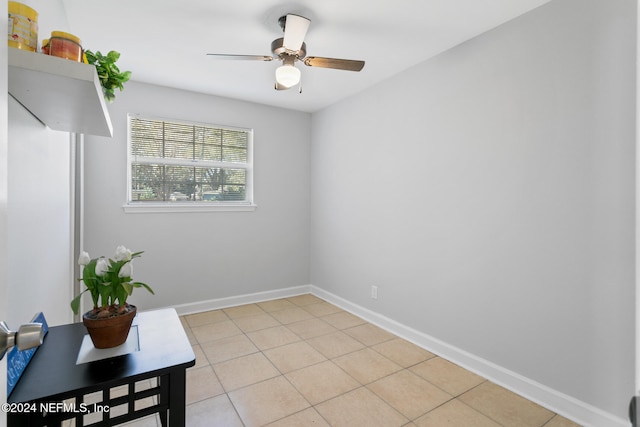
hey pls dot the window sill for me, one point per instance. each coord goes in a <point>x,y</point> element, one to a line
<point>186,207</point>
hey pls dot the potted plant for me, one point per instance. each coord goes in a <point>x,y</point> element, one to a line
<point>111,78</point>
<point>109,283</point>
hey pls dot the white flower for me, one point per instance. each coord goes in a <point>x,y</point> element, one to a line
<point>102,266</point>
<point>122,254</point>
<point>126,270</point>
<point>84,258</point>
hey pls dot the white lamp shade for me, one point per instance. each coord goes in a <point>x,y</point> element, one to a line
<point>287,75</point>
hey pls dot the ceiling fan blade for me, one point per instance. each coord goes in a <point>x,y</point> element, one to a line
<point>338,64</point>
<point>295,30</point>
<point>241,57</point>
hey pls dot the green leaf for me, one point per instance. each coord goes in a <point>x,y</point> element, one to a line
<point>125,76</point>
<point>128,287</point>
<point>75,304</point>
<point>113,56</point>
<point>147,287</point>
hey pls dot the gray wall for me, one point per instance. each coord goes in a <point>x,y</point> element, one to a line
<point>191,257</point>
<point>489,194</point>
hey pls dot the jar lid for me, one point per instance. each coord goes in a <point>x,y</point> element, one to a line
<point>22,10</point>
<point>64,35</point>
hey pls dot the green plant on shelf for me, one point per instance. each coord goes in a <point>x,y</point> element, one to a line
<point>111,78</point>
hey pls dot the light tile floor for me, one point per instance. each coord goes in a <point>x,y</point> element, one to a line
<point>301,361</point>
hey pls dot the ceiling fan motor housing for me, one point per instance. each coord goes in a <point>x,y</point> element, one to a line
<point>278,49</point>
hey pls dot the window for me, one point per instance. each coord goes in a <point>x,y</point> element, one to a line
<point>188,166</point>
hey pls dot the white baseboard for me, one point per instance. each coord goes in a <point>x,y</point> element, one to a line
<point>217,304</point>
<point>560,403</point>
<point>567,406</point>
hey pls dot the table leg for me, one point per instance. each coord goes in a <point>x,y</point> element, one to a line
<point>177,396</point>
<point>163,382</point>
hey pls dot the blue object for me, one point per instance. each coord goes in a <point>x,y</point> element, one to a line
<point>17,360</point>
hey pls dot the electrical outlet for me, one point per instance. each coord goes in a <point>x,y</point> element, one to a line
<point>374,292</point>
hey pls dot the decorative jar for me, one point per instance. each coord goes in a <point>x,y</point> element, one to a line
<point>65,45</point>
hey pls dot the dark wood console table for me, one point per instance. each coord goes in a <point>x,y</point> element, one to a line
<point>54,388</point>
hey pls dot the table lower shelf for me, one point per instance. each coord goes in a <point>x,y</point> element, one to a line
<point>106,407</point>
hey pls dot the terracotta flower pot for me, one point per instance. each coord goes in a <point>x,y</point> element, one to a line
<point>110,331</point>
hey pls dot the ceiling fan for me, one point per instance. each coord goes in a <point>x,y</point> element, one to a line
<point>291,48</point>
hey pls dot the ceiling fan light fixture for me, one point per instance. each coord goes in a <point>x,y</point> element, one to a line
<point>287,75</point>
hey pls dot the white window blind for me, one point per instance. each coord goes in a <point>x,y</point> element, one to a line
<point>188,163</point>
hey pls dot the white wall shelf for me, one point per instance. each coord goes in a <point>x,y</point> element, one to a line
<point>63,94</point>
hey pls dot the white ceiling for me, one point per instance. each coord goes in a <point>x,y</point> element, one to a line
<point>165,42</point>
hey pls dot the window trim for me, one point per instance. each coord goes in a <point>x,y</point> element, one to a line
<point>166,207</point>
<point>195,206</point>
